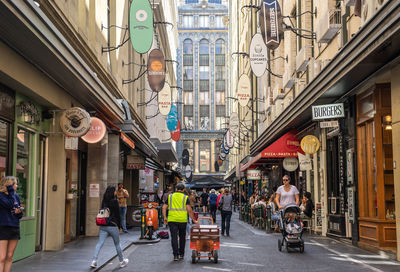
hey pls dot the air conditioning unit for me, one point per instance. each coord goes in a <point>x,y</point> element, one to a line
<point>302,58</point>
<point>328,25</point>
<point>349,2</point>
<point>288,80</point>
<point>324,63</point>
<point>300,85</point>
<point>278,93</point>
<point>314,68</point>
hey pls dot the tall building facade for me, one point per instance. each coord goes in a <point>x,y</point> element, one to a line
<point>203,77</point>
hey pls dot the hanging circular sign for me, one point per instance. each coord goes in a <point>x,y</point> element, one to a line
<point>164,100</point>
<point>220,161</point>
<point>290,164</point>
<point>189,179</point>
<point>222,155</point>
<point>216,166</point>
<point>229,141</point>
<point>309,144</point>
<point>234,124</point>
<point>176,134</point>
<point>156,70</point>
<point>172,118</point>
<point>271,23</point>
<point>258,55</point>
<point>185,157</point>
<point>188,171</point>
<point>243,90</point>
<point>75,122</point>
<point>96,132</point>
<point>224,149</point>
<point>141,28</point>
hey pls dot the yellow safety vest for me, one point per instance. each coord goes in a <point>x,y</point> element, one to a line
<point>177,207</point>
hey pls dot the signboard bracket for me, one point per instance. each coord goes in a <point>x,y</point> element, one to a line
<point>127,81</point>
<point>252,7</point>
<point>106,49</point>
<point>164,23</point>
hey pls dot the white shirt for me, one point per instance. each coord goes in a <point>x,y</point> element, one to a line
<point>287,198</point>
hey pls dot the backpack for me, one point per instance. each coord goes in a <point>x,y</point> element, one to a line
<point>163,235</point>
<point>103,217</point>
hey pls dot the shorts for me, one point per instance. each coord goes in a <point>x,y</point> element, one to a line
<point>9,233</point>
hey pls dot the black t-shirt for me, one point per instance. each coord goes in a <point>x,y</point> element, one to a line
<point>204,198</point>
<point>115,217</point>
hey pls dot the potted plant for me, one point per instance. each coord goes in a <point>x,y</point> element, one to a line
<point>72,193</point>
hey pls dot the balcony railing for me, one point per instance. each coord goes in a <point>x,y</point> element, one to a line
<point>220,85</point>
<point>204,85</point>
<point>188,60</point>
<point>220,60</point>
<point>188,85</point>
<point>204,60</point>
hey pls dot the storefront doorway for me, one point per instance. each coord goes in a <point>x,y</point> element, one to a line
<point>40,189</point>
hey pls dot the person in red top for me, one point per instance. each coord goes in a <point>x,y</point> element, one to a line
<point>221,191</point>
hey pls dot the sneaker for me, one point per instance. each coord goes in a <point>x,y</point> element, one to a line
<point>181,257</point>
<point>93,264</point>
<point>125,231</point>
<point>176,258</point>
<point>124,263</point>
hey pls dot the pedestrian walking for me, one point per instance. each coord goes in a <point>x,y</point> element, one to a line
<point>226,211</point>
<point>122,195</point>
<point>178,211</point>
<point>110,201</point>
<point>212,199</point>
<point>286,194</point>
<point>10,214</point>
<point>204,200</point>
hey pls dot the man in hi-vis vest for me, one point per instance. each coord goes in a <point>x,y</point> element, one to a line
<point>178,210</point>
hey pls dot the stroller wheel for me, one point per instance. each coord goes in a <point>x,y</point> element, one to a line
<point>279,244</point>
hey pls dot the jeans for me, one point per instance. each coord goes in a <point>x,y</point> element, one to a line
<point>122,212</point>
<point>104,232</point>
<point>226,221</point>
<point>178,229</point>
<point>213,210</point>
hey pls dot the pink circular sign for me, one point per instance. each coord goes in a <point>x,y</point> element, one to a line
<point>96,132</point>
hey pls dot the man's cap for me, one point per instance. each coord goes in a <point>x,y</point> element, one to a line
<point>180,187</point>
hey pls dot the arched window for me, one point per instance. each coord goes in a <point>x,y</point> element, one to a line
<point>204,47</point>
<point>220,46</point>
<point>188,47</point>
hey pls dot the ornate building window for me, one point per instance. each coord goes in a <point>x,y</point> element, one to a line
<point>204,117</point>
<point>204,21</point>
<point>188,117</point>
<point>189,145</point>
<point>220,117</point>
<point>204,53</point>
<point>204,152</point>
<point>188,21</point>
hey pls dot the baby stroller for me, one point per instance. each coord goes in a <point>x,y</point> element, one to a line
<point>291,227</point>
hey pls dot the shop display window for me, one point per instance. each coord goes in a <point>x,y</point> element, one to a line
<point>4,144</point>
<point>23,163</point>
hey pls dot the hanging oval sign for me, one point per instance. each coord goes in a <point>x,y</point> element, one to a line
<point>258,55</point>
<point>164,100</point>
<point>234,124</point>
<point>172,118</point>
<point>222,155</point>
<point>290,164</point>
<point>220,162</point>
<point>96,132</point>
<point>188,171</point>
<point>141,27</point>
<point>185,157</point>
<point>243,90</point>
<point>229,140</point>
<point>176,134</point>
<point>224,149</point>
<point>75,122</point>
<point>271,23</point>
<point>156,70</point>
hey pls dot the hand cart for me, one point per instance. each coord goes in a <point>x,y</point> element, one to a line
<point>204,241</point>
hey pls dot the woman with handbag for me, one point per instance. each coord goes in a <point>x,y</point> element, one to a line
<point>10,214</point>
<point>111,227</point>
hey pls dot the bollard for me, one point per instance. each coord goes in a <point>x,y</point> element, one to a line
<point>143,225</point>
<point>269,219</point>
<point>160,217</point>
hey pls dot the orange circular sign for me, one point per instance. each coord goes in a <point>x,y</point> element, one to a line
<point>156,66</point>
<point>96,132</point>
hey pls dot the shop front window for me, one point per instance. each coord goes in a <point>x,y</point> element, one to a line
<point>4,143</point>
<point>205,148</point>
<point>23,165</point>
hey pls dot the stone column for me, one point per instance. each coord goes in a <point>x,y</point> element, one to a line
<point>212,155</point>
<point>55,210</point>
<point>97,168</point>
<point>196,156</point>
<point>113,160</point>
<point>395,90</point>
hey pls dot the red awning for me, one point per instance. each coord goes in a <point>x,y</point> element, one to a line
<point>285,146</point>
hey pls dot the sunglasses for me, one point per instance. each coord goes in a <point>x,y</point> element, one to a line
<point>285,179</point>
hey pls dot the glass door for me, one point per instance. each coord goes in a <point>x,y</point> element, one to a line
<point>40,193</point>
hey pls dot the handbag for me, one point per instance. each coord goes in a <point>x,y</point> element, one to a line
<point>220,203</point>
<point>103,217</point>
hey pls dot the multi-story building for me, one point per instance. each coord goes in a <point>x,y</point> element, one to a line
<point>57,55</point>
<point>203,76</point>
<point>334,52</point>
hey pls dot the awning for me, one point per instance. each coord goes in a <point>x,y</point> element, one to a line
<point>208,183</point>
<point>285,146</point>
<point>166,151</point>
<point>127,140</point>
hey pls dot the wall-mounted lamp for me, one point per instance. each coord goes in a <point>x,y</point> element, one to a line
<point>387,122</point>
